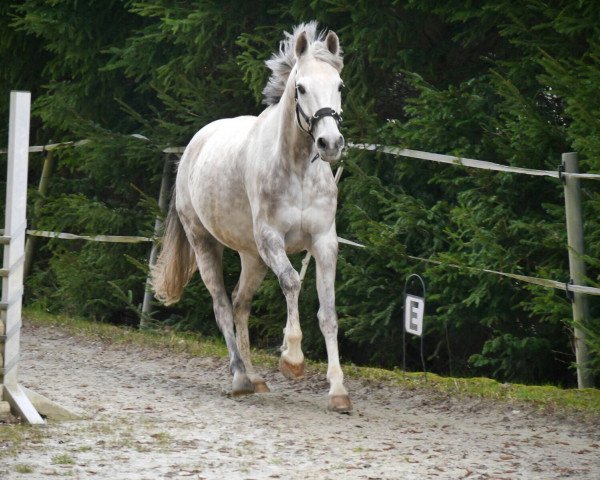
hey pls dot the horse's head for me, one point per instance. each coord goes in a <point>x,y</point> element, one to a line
<point>318,93</point>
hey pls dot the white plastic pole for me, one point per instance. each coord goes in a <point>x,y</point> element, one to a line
<point>14,255</point>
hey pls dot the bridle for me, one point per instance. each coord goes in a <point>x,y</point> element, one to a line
<point>312,121</point>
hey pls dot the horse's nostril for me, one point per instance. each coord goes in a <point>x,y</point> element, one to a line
<point>321,143</point>
<point>340,142</point>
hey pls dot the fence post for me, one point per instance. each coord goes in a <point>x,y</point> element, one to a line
<point>31,243</point>
<point>576,266</point>
<point>163,201</point>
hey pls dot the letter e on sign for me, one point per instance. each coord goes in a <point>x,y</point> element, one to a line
<point>414,309</point>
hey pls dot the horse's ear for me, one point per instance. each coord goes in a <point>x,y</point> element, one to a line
<point>301,44</point>
<point>333,42</point>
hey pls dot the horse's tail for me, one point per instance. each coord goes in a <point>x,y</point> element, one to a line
<point>176,264</point>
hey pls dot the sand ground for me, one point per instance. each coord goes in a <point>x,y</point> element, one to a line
<point>153,414</point>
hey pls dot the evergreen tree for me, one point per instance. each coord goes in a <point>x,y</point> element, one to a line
<point>504,82</point>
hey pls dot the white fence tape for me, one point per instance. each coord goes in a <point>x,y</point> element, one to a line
<point>397,151</point>
<point>90,238</point>
<point>402,152</point>
<point>123,239</point>
<point>522,278</point>
<point>467,162</point>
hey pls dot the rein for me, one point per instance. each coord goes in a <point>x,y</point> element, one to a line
<point>312,121</point>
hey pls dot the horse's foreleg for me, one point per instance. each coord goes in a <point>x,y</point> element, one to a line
<point>271,248</point>
<point>325,253</point>
<point>253,272</point>
<point>209,256</point>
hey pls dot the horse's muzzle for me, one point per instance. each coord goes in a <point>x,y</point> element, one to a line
<point>330,147</point>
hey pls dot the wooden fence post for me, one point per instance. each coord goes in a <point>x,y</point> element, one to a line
<point>163,202</point>
<point>31,243</point>
<point>576,266</point>
<point>14,253</point>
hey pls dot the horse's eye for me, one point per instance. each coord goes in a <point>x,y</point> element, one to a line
<point>301,90</point>
<point>341,86</point>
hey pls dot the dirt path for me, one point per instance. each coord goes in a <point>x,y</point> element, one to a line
<point>156,415</point>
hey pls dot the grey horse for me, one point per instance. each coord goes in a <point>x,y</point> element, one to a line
<point>263,186</point>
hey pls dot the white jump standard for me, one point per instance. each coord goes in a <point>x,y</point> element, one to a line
<point>14,254</point>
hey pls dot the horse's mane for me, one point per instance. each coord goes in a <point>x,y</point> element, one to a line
<point>282,63</point>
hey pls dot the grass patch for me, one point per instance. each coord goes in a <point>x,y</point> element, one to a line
<point>14,437</point>
<point>549,398</point>
<point>23,468</point>
<point>163,439</point>
<point>176,341</point>
<point>179,342</point>
<point>63,459</point>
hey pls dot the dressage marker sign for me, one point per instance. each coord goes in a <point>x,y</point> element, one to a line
<point>414,308</point>
<point>414,312</point>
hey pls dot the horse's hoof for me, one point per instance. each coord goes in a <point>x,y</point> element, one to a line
<point>339,404</point>
<point>291,371</point>
<point>260,386</point>
<point>241,385</point>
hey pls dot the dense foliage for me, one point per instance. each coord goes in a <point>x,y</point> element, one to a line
<point>507,82</point>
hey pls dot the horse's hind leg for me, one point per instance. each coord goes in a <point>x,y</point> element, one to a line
<point>253,273</point>
<point>209,256</point>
